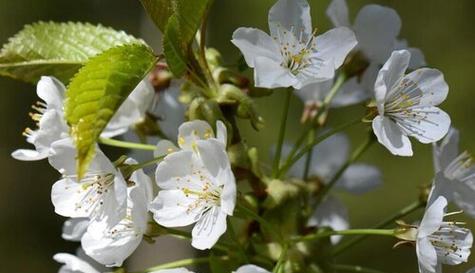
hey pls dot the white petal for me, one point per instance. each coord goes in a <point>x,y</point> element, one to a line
<point>221,133</point>
<point>169,110</point>
<point>270,74</point>
<point>28,155</point>
<point>171,208</point>
<point>191,131</point>
<point>250,268</point>
<point>314,92</point>
<point>330,213</point>
<point>446,150</point>
<point>213,156</point>
<point>351,92</point>
<point>131,111</point>
<point>391,136</point>
<point>432,84</point>
<point>52,127</point>
<point>329,156</point>
<point>433,217</point>
<point>74,228</point>
<point>255,43</point>
<point>426,255</point>
<point>360,178</point>
<point>228,195</point>
<point>334,45</point>
<point>178,164</point>
<point>164,147</point>
<point>390,75</point>
<point>461,238</point>
<point>73,264</point>
<point>429,124</point>
<point>52,91</point>
<point>376,29</point>
<point>417,58</point>
<point>292,15</point>
<point>110,251</point>
<point>208,229</point>
<point>337,11</point>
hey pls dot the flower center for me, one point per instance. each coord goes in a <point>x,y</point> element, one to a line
<point>39,109</point>
<point>404,108</point>
<point>460,166</point>
<point>93,187</point>
<point>202,189</point>
<point>298,53</point>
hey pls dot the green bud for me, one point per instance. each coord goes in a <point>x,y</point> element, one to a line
<point>279,191</point>
<point>213,57</point>
<point>238,156</point>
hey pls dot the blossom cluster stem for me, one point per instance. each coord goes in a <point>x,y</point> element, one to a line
<point>354,157</point>
<point>179,263</point>
<point>323,111</point>
<point>384,223</point>
<point>291,161</point>
<point>323,234</point>
<point>354,268</point>
<point>260,220</point>
<point>283,124</point>
<point>126,144</point>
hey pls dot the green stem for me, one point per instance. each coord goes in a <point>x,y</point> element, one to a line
<point>291,161</point>
<point>260,220</point>
<point>283,123</point>
<point>354,157</point>
<point>384,223</point>
<point>355,268</point>
<point>328,233</point>
<point>234,238</point>
<point>280,262</point>
<point>308,159</point>
<point>126,144</point>
<point>179,263</point>
<point>180,234</point>
<point>324,108</point>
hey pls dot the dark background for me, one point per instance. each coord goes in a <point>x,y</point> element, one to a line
<point>29,229</point>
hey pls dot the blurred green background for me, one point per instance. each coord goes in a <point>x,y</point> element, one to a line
<point>29,229</point>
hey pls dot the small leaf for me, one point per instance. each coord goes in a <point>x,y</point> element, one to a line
<point>98,89</point>
<point>56,49</point>
<point>159,11</point>
<point>180,32</point>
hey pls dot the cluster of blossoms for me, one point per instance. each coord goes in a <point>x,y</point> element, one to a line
<point>208,178</point>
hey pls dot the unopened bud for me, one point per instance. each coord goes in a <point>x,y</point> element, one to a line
<point>160,77</point>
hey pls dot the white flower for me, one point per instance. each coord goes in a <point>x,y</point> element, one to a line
<point>101,194</point>
<point>111,245</point>
<point>377,29</point>
<point>327,158</point>
<point>73,264</point>
<point>440,242</point>
<point>50,120</point>
<point>455,173</point>
<point>351,92</point>
<point>292,55</point>
<point>249,268</point>
<point>131,111</point>
<point>197,184</point>
<point>190,132</point>
<point>74,229</point>
<point>169,110</point>
<point>330,213</point>
<point>406,105</point>
<point>52,124</point>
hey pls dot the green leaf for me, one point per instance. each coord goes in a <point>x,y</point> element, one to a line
<point>159,11</point>
<point>98,89</point>
<point>56,49</point>
<point>180,32</point>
